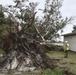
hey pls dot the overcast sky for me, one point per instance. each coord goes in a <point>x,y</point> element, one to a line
<point>68,9</point>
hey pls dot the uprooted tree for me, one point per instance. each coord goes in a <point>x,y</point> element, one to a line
<point>23,52</point>
<point>22,47</point>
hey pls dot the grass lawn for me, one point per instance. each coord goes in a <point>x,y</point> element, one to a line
<point>63,64</point>
<point>68,63</point>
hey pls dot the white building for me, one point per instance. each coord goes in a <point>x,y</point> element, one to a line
<point>71,38</point>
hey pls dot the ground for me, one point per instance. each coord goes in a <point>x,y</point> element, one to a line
<point>67,64</point>
<point>62,64</point>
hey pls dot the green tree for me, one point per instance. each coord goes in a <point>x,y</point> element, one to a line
<point>21,12</point>
<point>46,27</point>
<point>74,28</point>
<point>52,20</point>
<point>2,19</point>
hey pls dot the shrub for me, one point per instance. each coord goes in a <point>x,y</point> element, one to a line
<point>53,47</point>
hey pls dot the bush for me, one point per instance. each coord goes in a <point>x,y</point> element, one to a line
<point>53,47</point>
<point>58,48</point>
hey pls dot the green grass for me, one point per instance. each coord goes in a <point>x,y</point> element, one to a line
<point>1,51</point>
<point>64,64</point>
<point>68,63</point>
<point>10,72</point>
<point>44,72</point>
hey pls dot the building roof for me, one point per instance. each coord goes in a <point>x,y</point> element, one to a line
<point>69,34</point>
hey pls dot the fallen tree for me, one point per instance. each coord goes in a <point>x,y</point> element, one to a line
<point>23,52</point>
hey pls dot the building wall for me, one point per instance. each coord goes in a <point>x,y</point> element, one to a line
<point>72,41</point>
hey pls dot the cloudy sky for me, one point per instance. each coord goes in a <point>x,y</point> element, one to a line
<point>68,9</point>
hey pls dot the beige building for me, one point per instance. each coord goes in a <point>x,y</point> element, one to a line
<point>71,38</point>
